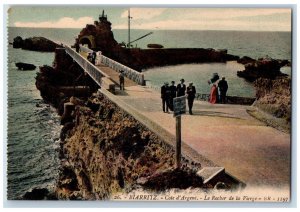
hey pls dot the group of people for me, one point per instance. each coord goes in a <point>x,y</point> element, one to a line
<point>92,57</point>
<point>168,93</point>
<point>218,90</point>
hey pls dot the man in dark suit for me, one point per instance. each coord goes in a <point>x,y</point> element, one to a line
<point>173,91</point>
<point>94,55</point>
<point>165,96</point>
<point>191,93</point>
<point>181,88</point>
<point>89,57</point>
<point>223,87</point>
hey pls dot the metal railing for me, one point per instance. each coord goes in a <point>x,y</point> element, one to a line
<point>128,72</point>
<point>95,73</point>
<point>205,97</point>
<point>198,96</point>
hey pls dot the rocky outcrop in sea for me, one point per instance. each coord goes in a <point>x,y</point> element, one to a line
<point>267,68</point>
<point>25,66</point>
<point>35,44</point>
<point>99,37</point>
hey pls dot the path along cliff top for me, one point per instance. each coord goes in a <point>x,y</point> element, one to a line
<point>255,153</point>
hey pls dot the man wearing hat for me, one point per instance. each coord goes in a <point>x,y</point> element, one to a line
<point>191,93</point>
<point>165,96</point>
<point>173,90</point>
<point>223,87</point>
<point>93,57</point>
<point>89,57</point>
<point>181,88</point>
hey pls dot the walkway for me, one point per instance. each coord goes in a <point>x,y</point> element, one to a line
<point>225,134</point>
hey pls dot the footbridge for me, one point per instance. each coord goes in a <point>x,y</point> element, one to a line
<point>219,135</point>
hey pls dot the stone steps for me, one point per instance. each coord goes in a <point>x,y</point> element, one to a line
<point>210,173</point>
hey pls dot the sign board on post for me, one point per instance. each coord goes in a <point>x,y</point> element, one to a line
<point>179,104</point>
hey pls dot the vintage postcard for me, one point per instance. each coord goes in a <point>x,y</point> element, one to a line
<point>155,104</point>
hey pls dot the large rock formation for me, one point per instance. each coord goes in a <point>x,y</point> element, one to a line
<point>262,68</point>
<point>99,37</point>
<point>35,44</point>
<point>64,79</point>
<point>273,91</point>
<point>273,104</point>
<point>245,60</point>
<point>18,42</point>
<point>274,96</point>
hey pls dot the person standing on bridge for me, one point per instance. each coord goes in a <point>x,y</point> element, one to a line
<point>122,80</point>
<point>165,96</point>
<point>77,46</point>
<point>181,88</point>
<point>89,57</point>
<point>191,93</point>
<point>223,87</point>
<point>94,55</point>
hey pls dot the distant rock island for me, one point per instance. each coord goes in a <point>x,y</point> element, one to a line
<point>262,68</point>
<point>35,44</point>
<point>25,66</point>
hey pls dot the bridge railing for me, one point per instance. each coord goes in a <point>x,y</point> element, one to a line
<point>93,71</point>
<point>128,72</point>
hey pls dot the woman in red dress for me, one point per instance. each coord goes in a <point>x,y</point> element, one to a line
<point>213,94</point>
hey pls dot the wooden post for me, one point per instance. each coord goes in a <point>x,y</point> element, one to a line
<point>178,141</point>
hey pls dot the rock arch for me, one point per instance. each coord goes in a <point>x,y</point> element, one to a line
<point>89,40</point>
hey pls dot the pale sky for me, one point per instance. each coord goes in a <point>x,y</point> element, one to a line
<point>252,19</point>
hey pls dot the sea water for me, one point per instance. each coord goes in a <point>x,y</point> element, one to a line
<point>200,74</point>
<point>33,125</point>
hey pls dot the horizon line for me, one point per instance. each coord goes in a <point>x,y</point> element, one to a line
<point>162,29</point>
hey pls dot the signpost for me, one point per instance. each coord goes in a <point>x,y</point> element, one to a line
<point>179,108</point>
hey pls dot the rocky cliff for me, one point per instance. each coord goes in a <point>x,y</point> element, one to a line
<point>274,98</point>
<point>105,151</point>
<point>65,79</point>
<point>273,90</point>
